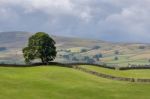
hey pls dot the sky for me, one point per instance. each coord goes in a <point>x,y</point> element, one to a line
<point>110,20</point>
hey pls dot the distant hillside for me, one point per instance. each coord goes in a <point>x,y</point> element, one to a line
<point>13,39</point>
<point>78,50</point>
<point>19,39</point>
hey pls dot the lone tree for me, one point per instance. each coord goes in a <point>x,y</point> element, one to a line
<point>40,46</point>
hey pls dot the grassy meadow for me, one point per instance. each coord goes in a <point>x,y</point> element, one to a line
<point>54,82</point>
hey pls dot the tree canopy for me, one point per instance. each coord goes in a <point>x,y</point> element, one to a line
<point>40,46</point>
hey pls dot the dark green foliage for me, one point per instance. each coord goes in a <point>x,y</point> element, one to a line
<point>66,57</point>
<point>84,50</point>
<point>96,47</point>
<point>148,60</point>
<point>86,58</point>
<point>40,46</point>
<point>142,47</point>
<point>75,59</point>
<point>116,52</point>
<point>91,61</point>
<point>98,56</point>
<point>116,58</point>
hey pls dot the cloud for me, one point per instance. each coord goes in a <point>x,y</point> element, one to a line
<point>113,20</point>
<point>132,22</point>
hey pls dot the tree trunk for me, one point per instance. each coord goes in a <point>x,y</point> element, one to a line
<point>42,59</point>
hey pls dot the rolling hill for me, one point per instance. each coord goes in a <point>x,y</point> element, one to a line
<point>54,82</point>
<point>77,50</point>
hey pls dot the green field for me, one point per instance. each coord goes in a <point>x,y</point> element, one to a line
<point>64,83</point>
<point>121,73</point>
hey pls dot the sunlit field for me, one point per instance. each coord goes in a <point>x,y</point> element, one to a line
<point>55,82</point>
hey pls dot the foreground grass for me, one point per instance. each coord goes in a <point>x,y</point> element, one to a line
<point>144,73</point>
<point>64,83</point>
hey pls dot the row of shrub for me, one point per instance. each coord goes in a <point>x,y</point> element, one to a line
<point>135,67</point>
<point>98,65</point>
<point>72,64</point>
<point>35,64</point>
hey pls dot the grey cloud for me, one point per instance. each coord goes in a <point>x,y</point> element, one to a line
<point>113,20</point>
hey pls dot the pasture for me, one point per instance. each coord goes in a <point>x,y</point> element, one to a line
<point>54,82</point>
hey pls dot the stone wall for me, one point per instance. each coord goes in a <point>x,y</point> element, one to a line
<point>107,76</point>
